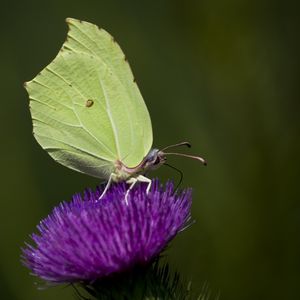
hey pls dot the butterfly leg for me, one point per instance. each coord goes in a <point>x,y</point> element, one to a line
<point>107,186</point>
<point>132,181</point>
<point>142,178</point>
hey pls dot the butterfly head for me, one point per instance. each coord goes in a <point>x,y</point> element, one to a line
<point>154,159</point>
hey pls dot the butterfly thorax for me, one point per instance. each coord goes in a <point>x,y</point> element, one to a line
<point>154,159</point>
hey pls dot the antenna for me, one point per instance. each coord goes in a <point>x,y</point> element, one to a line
<point>176,145</point>
<point>189,156</point>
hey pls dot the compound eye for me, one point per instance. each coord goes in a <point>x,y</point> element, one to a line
<point>157,161</point>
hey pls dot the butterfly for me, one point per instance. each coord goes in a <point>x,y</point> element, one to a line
<point>88,113</point>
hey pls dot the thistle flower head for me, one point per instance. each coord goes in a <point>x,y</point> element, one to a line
<point>88,239</point>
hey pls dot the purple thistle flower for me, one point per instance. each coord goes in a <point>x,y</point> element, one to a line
<point>87,239</point>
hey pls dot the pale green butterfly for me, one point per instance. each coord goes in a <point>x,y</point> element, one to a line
<point>88,112</point>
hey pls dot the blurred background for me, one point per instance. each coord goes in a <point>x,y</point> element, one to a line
<point>223,75</point>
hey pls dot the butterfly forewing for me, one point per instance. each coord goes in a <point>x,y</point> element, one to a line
<point>88,38</point>
<point>87,111</point>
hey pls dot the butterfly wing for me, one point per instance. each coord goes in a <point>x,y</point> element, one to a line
<point>87,110</point>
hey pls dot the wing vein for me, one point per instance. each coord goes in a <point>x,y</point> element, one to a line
<point>43,103</point>
<point>83,32</point>
<point>52,99</point>
<point>76,40</point>
<point>58,75</point>
<point>73,146</point>
<point>59,121</point>
<point>110,117</point>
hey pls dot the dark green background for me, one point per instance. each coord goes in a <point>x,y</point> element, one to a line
<point>221,74</point>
